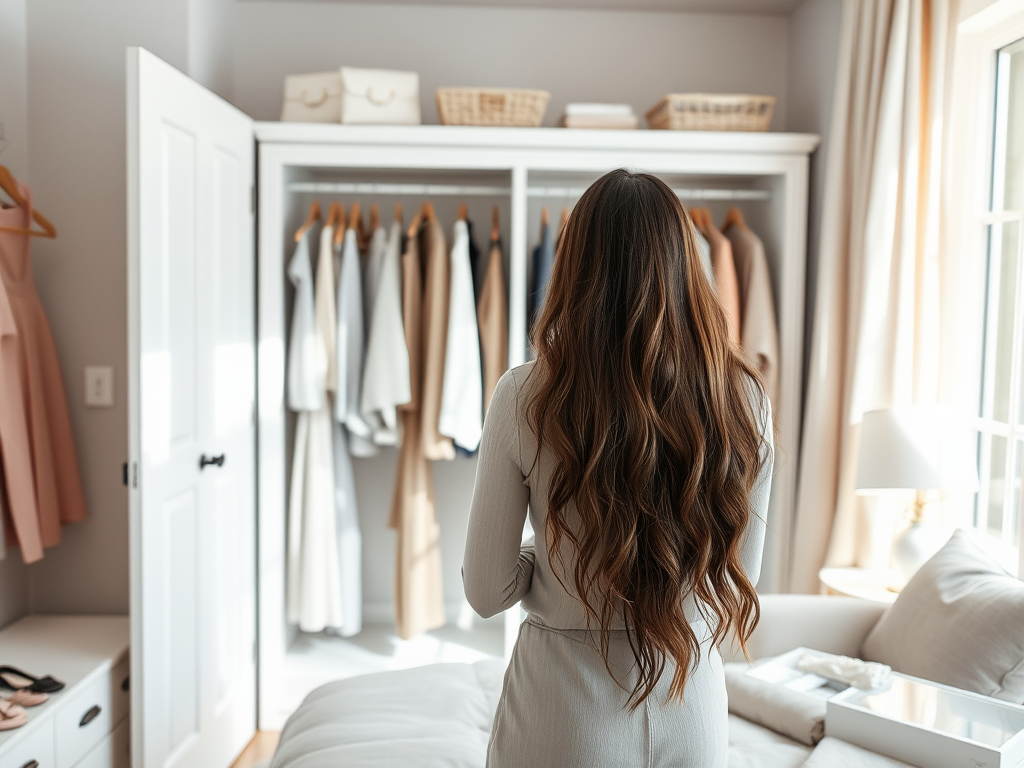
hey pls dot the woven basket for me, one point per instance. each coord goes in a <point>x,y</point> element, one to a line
<point>491,106</point>
<point>712,112</point>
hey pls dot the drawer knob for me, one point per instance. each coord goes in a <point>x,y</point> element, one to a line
<point>89,716</point>
<point>31,764</point>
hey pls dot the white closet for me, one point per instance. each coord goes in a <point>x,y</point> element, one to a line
<point>518,170</point>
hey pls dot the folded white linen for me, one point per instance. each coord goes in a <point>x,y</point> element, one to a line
<point>866,675</point>
<point>836,753</point>
<point>798,715</point>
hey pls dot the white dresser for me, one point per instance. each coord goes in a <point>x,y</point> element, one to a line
<point>86,724</point>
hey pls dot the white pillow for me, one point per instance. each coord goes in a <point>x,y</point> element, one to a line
<point>959,621</point>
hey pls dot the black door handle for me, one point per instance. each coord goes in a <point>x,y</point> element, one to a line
<point>216,461</point>
<point>31,764</point>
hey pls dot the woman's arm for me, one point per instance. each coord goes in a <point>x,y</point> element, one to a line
<point>498,567</point>
<point>752,543</point>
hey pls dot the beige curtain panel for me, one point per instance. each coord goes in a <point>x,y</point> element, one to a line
<point>875,333</point>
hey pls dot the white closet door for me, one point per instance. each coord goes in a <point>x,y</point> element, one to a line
<point>192,394</point>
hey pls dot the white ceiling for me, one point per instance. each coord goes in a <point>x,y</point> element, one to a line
<point>691,6</point>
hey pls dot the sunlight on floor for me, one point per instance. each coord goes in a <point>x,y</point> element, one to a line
<point>313,660</point>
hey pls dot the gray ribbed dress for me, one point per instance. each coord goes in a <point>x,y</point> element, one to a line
<point>559,706</point>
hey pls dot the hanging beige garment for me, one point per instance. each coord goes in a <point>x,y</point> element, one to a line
<point>725,279</point>
<point>21,512</point>
<point>419,594</point>
<point>759,331</point>
<point>58,484</point>
<point>492,317</point>
<point>436,293</point>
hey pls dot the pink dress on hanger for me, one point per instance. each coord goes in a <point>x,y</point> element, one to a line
<point>58,483</point>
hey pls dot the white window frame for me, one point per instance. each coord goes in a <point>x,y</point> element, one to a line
<point>968,194</point>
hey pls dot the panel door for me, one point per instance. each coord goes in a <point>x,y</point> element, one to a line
<point>192,364</point>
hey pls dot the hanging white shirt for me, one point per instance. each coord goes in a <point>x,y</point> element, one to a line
<point>462,395</point>
<point>386,367</point>
<point>371,275</point>
<point>350,350</point>
<point>306,372</point>
<point>314,573</point>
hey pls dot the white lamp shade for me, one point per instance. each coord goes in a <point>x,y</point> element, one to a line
<point>916,447</point>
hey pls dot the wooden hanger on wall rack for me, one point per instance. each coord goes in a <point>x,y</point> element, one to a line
<point>374,217</point>
<point>496,226</point>
<point>398,212</point>
<point>339,230</point>
<point>543,217</point>
<point>733,216</point>
<point>463,212</point>
<point>10,185</point>
<point>428,211</point>
<point>565,217</point>
<point>332,215</point>
<point>701,218</point>
<point>414,225</point>
<point>311,219</point>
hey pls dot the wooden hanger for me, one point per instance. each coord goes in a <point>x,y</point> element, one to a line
<point>496,226</point>
<point>565,217</point>
<point>463,212</point>
<point>414,225</point>
<point>374,217</point>
<point>10,185</point>
<point>428,211</point>
<point>733,216</point>
<point>398,212</point>
<point>332,215</point>
<point>339,229</point>
<point>701,218</point>
<point>311,219</point>
<point>543,217</point>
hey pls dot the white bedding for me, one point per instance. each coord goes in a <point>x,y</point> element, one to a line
<point>439,716</point>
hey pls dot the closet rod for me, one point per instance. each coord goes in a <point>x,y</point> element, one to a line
<point>683,194</point>
<point>424,190</point>
<point>471,190</point>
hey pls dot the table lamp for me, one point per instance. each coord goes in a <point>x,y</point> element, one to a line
<point>921,448</point>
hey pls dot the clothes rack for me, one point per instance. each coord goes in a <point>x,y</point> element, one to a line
<point>473,190</point>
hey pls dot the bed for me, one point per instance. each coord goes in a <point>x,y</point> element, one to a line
<point>439,716</point>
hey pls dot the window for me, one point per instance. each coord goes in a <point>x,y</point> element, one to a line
<point>999,503</point>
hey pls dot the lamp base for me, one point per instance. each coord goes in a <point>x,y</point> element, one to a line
<point>914,546</point>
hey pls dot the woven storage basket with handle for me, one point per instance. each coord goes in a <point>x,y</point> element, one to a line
<point>491,106</point>
<point>712,112</point>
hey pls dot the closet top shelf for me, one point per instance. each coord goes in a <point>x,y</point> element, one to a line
<point>537,138</point>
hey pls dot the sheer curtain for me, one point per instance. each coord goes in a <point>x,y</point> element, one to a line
<point>876,325</point>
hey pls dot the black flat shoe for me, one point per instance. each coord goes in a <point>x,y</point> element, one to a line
<point>9,679</point>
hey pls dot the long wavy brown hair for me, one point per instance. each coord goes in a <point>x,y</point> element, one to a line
<point>651,414</point>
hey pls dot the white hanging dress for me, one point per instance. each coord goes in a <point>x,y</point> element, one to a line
<point>314,598</point>
<point>462,394</point>
<point>386,367</point>
<point>350,346</point>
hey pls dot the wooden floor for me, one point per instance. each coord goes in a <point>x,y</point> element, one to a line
<point>260,750</point>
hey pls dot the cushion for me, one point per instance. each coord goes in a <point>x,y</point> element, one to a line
<point>959,621</point>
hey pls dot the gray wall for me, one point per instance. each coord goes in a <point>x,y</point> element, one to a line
<point>813,44</point>
<point>578,55</point>
<point>70,100</point>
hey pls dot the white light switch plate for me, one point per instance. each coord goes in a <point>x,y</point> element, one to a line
<point>99,386</point>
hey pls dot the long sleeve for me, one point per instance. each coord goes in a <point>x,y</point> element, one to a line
<point>498,567</point>
<point>752,544</point>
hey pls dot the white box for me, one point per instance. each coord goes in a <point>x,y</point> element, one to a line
<point>929,725</point>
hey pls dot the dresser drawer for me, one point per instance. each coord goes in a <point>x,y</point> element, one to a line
<point>113,752</point>
<point>35,750</point>
<point>90,714</point>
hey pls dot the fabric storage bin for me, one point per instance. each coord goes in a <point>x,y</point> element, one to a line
<point>312,98</point>
<point>492,106</point>
<point>379,97</point>
<point>712,112</point>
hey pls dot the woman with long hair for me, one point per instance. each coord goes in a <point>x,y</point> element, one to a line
<point>640,444</point>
